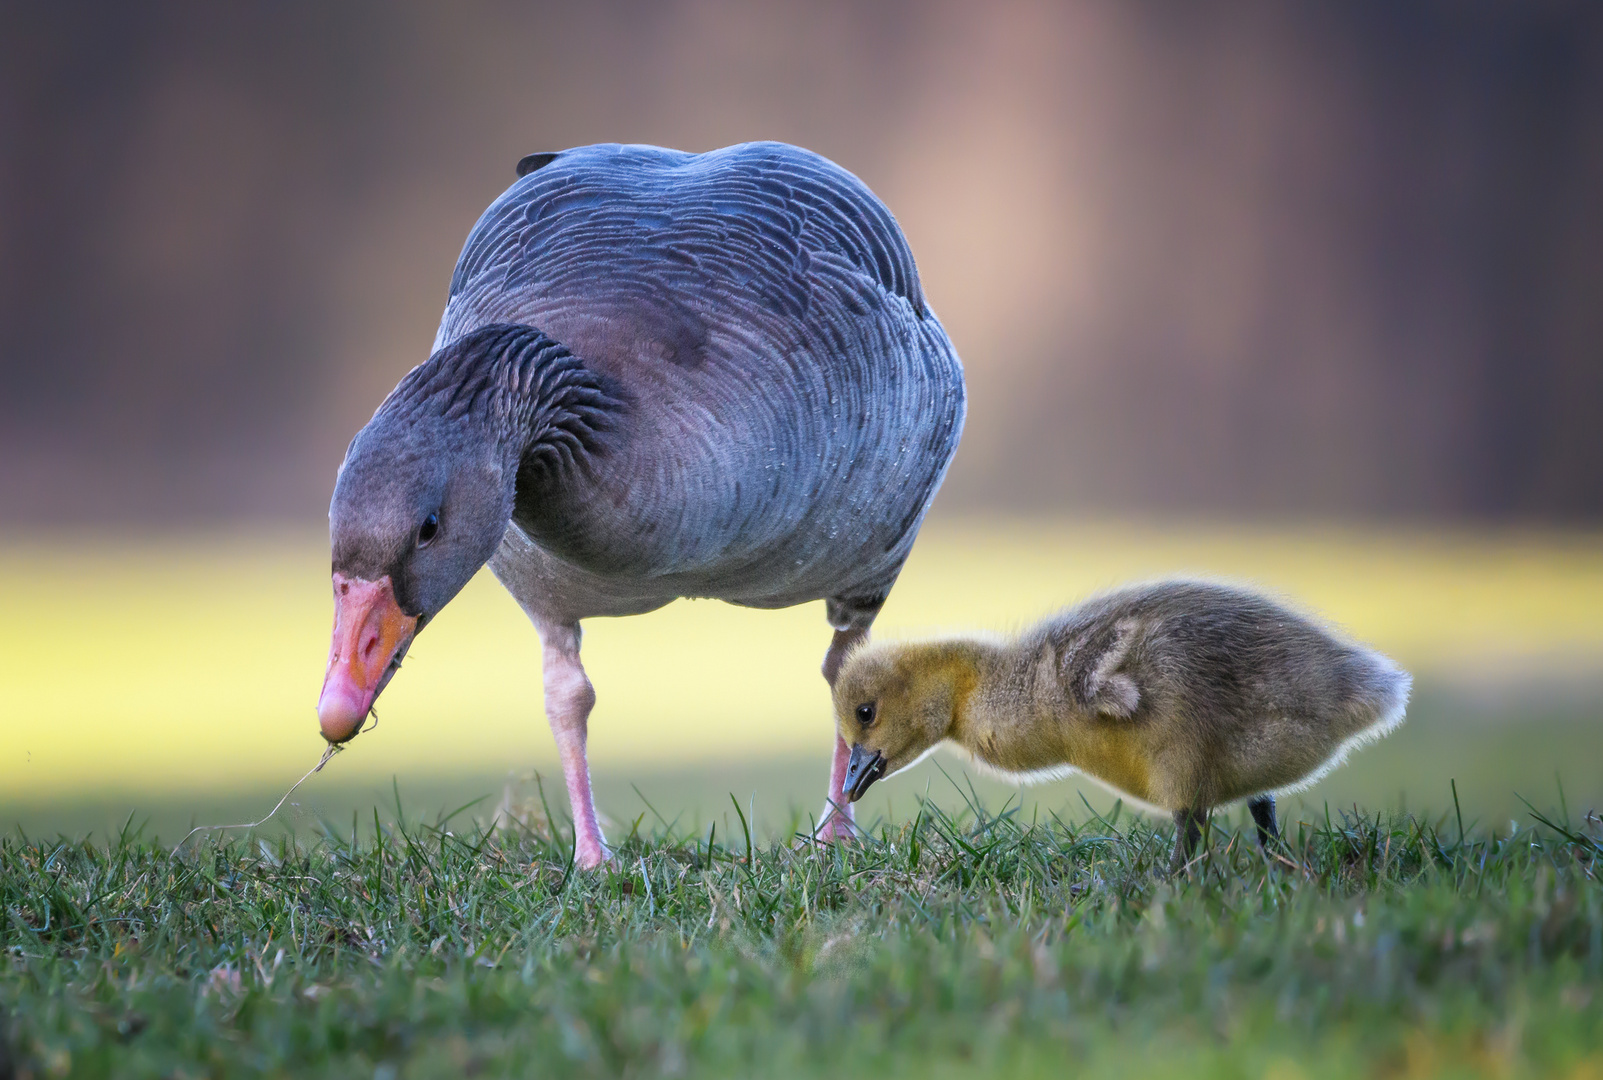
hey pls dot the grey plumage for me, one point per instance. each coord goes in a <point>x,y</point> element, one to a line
<point>1182,695</point>
<point>659,375</point>
<point>792,405</point>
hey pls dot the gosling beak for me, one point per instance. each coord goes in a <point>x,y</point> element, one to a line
<point>861,771</point>
<point>371,634</point>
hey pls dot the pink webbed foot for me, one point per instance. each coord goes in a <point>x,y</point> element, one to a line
<point>838,821</point>
<point>591,853</point>
<point>837,826</point>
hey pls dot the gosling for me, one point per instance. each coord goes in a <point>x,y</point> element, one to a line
<point>1180,695</point>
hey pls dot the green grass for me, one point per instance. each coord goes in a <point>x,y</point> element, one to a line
<point>952,945</point>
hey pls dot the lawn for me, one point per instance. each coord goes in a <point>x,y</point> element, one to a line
<point>953,944</point>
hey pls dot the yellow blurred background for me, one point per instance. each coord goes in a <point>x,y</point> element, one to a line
<point>176,674</point>
<point>1214,269</point>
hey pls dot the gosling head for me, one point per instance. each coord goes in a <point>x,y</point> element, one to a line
<point>893,704</point>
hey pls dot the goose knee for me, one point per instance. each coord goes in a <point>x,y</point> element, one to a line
<point>569,697</point>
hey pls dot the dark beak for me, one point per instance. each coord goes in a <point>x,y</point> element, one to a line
<point>861,771</point>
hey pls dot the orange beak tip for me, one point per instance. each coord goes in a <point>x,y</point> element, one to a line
<point>339,715</point>
<point>369,630</point>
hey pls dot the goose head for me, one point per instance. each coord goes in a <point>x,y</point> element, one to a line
<point>421,502</point>
<point>427,488</point>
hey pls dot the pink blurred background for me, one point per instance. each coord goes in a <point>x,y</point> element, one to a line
<point>1330,261</point>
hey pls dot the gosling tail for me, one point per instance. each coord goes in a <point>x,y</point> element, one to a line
<point>1378,698</point>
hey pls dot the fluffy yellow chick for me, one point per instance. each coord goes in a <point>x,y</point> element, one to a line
<point>1180,695</point>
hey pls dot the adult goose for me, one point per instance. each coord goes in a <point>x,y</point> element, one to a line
<point>658,375</point>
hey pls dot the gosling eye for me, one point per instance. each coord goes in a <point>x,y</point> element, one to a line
<point>865,713</point>
<point>427,531</point>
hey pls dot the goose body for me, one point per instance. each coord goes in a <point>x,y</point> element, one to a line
<point>658,375</point>
<point>792,404</point>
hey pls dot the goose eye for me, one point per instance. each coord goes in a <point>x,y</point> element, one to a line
<point>427,531</point>
<point>865,713</point>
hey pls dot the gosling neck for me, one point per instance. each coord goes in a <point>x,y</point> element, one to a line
<point>966,665</point>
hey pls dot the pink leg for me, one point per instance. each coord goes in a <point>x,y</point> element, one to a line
<point>837,821</point>
<point>569,697</point>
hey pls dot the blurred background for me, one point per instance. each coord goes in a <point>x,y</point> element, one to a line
<point>1305,295</point>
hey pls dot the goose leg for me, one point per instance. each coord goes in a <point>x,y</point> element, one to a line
<point>836,822</point>
<point>569,698</point>
<point>1263,815</point>
<point>1188,830</point>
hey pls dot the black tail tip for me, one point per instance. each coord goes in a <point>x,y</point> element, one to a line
<point>530,162</point>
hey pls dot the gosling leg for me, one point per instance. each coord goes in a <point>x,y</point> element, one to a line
<point>1188,830</point>
<point>1263,816</point>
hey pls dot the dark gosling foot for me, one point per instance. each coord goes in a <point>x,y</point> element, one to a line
<point>1263,816</point>
<point>1188,830</point>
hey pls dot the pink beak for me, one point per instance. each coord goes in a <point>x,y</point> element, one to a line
<point>369,629</point>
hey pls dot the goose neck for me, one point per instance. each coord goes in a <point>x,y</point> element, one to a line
<point>551,409</point>
<point>517,388</point>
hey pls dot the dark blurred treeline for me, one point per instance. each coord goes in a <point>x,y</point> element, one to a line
<point>1263,258</point>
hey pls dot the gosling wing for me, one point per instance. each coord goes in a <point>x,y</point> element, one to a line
<point>1096,668</point>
